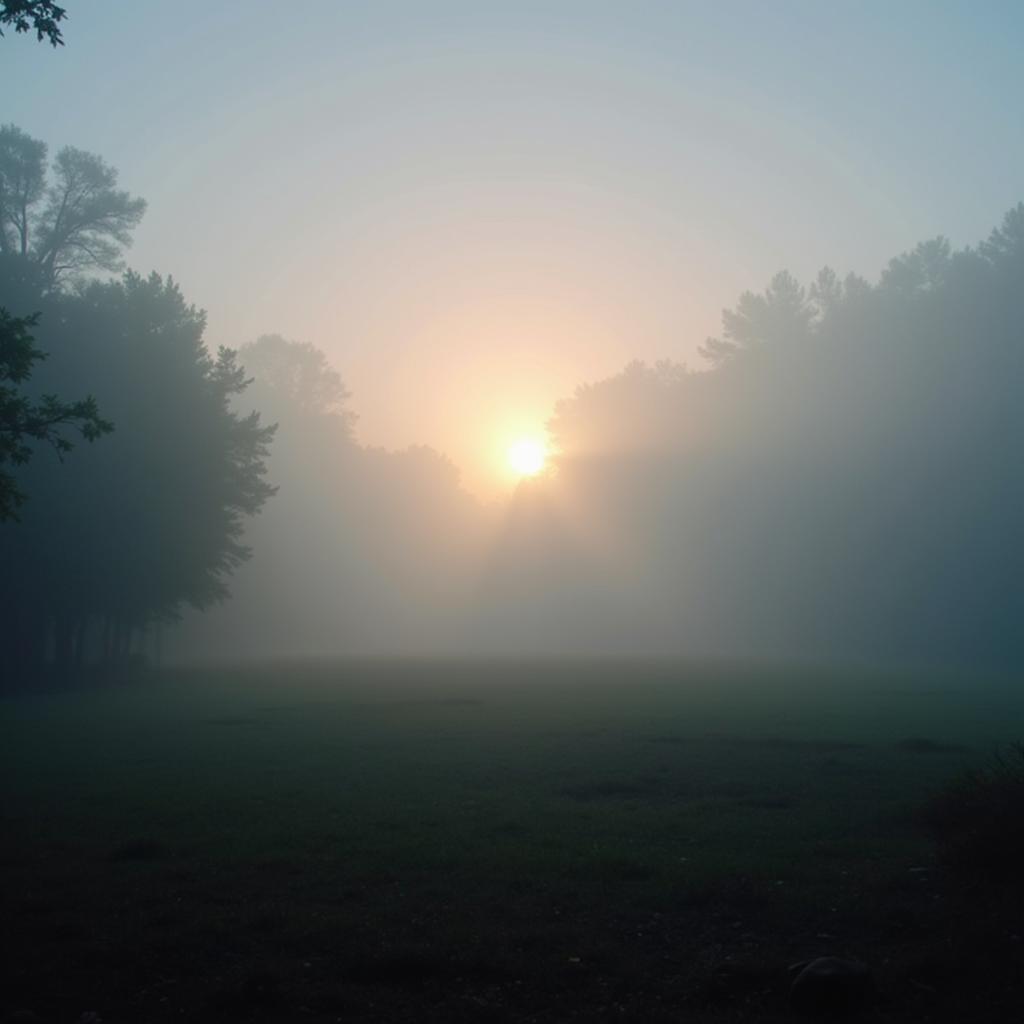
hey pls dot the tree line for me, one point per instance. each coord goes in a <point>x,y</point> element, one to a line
<point>108,541</point>
<point>842,482</point>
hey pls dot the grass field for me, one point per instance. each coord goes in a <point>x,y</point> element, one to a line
<point>432,841</point>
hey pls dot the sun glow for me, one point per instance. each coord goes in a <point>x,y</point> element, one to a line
<point>527,456</point>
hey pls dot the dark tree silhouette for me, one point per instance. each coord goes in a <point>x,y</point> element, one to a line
<point>41,16</point>
<point>22,185</point>
<point>23,421</point>
<point>49,233</point>
<point>128,531</point>
<point>73,222</point>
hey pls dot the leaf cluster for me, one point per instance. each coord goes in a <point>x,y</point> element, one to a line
<point>26,422</point>
<point>41,16</point>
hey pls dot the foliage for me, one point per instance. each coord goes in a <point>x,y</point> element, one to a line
<point>23,420</point>
<point>364,548</point>
<point>128,531</point>
<point>49,232</point>
<point>781,314</point>
<point>637,408</point>
<point>843,483</point>
<point>72,222</point>
<point>842,486</point>
<point>295,379</point>
<point>41,16</point>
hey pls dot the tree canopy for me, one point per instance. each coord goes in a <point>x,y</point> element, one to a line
<point>67,219</point>
<point>130,530</point>
<point>294,378</point>
<point>51,232</point>
<point>24,421</point>
<point>843,484</point>
<point>41,16</point>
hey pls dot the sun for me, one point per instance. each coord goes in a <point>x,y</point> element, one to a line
<point>527,456</point>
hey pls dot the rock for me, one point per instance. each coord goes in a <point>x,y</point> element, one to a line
<point>829,985</point>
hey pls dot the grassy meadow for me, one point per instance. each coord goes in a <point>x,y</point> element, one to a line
<point>471,841</point>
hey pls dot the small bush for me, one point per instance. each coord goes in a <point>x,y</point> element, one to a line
<point>978,820</point>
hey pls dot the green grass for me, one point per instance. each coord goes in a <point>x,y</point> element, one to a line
<point>403,841</point>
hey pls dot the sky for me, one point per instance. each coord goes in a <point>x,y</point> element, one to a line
<point>474,207</point>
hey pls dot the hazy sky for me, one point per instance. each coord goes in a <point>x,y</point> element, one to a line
<point>474,207</point>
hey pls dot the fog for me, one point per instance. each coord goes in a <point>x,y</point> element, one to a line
<point>841,485</point>
<point>290,439</point>
<point>511,512</point>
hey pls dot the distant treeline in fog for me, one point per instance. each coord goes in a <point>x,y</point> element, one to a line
<point>844,483</point>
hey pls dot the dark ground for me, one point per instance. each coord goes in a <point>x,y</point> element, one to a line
<point>418,842</point>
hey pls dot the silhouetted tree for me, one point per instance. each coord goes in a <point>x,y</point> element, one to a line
<point>295,379</point>
<point>24,421</point>
<point>363,549</point>
<point>152,519</point>
<point>22,184</point>
<point>845,483</point>
<point>42,16</point>
<point>48,233</point>
<point>1004,247</point>
<point>75,222</point>
<point>925,268</point>
<point>782,314</point>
